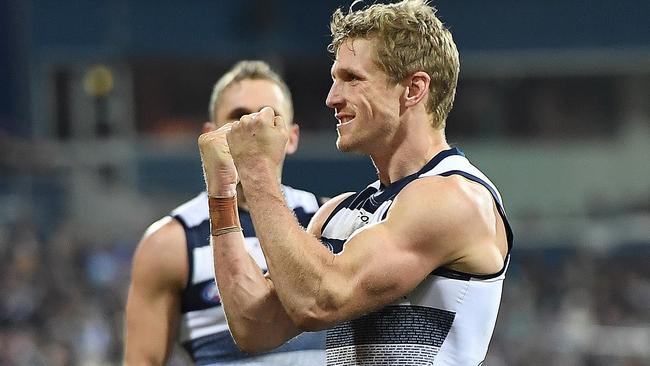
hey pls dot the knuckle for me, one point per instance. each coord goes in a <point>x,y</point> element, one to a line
<point>246,119</point>
<point>202,139</point>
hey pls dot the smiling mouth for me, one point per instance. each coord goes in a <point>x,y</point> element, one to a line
<point>345,120</point>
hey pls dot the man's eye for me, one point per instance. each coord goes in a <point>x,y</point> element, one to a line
<point>349,76</point>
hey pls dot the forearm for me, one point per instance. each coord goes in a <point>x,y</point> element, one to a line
<point>297,261</point>
<point>255,316</point>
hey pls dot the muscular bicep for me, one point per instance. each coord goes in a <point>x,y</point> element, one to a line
<point>388,259</point>
<point>378,265</point>
<point>159,273</point>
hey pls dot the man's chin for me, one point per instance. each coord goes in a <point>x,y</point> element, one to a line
<point>349,148</point>
<point>342,146</point>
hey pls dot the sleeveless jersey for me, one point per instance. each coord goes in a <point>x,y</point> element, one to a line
<point>448,319</point>
<point>203,328</point>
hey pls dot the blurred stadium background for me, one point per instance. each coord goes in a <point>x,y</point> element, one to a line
<point>101,102</point>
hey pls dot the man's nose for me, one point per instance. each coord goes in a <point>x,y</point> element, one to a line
<point>334,98</point>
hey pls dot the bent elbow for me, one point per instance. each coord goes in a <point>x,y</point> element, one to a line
<point>311,324</point>
<point>312,319</point>
<point>247,346</point>
<point>254,339</point>
<point>323,310</point>
<point>250,344</point>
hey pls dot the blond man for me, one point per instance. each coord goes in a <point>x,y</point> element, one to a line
<point>408,271</point>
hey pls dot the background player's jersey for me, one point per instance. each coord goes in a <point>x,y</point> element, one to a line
<point>203,330</point>
<point>448,319</point>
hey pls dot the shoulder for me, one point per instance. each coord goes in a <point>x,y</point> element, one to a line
<point>316,224</point>
<point>451,210</point>
<point>161,254</point>
<point>194,211</point>
<point>454,195</point>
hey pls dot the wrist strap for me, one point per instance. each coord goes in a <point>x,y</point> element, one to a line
<point>224,216</point>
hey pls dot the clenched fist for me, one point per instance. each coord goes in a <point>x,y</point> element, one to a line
<point>258,138</point>
<point>218,168</point>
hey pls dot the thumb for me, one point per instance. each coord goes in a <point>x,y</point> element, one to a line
<point>266,113</point>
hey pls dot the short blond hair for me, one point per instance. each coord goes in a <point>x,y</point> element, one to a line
<point>248,70</point>
<point>408,38</point>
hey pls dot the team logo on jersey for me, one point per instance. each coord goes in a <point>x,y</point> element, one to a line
<point>211,294</point>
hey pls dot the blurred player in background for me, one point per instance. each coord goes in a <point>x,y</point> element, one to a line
<point>408,271</point>
<point>173,296</point>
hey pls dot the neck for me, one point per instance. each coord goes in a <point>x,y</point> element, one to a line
<point>409,154</point>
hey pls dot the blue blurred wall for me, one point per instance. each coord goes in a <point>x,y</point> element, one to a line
<point>34,30</point>
<point>7,80</point>
<point>205,26</point>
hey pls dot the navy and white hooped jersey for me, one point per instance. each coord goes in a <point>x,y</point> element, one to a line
<point>203,329</point>
<point>448,319</point>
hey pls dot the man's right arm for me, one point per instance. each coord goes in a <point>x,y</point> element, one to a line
<point>159,274</point>
<point>256,317</point>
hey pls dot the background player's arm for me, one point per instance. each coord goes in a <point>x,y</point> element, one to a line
<point>159,274</point>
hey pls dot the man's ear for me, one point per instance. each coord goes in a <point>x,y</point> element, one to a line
<point>417,88</point>
<point>294,136</point>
